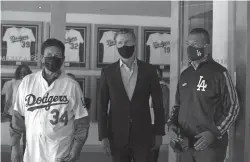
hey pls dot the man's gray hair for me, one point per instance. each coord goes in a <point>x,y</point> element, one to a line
<point>125,31</point>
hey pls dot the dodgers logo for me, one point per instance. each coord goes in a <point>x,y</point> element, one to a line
<point>111,43</point>
<point>198,53</point>
<point>201,86</point>
<point>14,39</point>
<point>71,40</point>
<point>46,102</point>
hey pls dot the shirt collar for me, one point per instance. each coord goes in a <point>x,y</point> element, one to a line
<point>197,63</point>
<point>122,63</point>
<point>56,76</point>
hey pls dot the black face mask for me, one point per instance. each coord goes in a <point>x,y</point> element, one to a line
<point>126,51</point>
<point>53,64</point>
<point>195,53</point>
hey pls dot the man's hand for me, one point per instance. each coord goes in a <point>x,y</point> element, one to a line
<point>158,141</point>
<point>74,152</point>
<point>173,133</point>
<point>205,139</point>
<point>72,157</point>
<point>15,154</point>
<point>106,146</point>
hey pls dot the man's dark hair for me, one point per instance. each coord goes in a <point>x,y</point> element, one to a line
<point>18,70</point>
<point>53,42</point>
<point>158,70</point>
<point>125,31</point>
<point>72,75</point>
<point>202,32</point>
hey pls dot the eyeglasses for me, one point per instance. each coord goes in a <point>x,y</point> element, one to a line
<point>124,43</point>
<point>53,55</point>
<point>195,44</point>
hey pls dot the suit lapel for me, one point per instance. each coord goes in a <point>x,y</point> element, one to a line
<point>138,79</point>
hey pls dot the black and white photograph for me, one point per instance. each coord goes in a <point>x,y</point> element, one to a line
<point>125,81</point>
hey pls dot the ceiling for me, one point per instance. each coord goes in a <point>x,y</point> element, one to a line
<point>141,8</point>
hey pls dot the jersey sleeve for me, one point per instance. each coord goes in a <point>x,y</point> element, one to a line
<point>80,38</point>
<point>5,88</point>
<point>104,37</point>
<point>6,35</point>
<point>79,108</point>
<point>150,40</point>
<point>31,36</point>
<point>173,116</point>
<point>230,110</point>
<point>19,101</point>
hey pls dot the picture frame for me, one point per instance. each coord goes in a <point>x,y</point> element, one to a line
<point>21,43</point>
<point>77,46</point>
<point>156,40</point>
<point>105,52</point>
<point>82,84</point>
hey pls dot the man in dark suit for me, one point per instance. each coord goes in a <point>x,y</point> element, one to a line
<point>125,128</point>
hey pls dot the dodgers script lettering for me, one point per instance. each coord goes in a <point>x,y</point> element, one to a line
<point>46,102</point>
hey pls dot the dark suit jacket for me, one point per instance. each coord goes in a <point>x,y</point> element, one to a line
<point>115,124</point>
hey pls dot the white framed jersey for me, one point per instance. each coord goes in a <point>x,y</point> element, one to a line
<point>110,52</point>
<point>18,43</point>
<point>159,44</point>
<point>51,110</point>
<point>73,39</point>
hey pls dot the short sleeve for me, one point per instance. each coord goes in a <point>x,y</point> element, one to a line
<point>167,38</point>
<point>6,35</point>
<point>104,37</point>
<point>79,107</point>
<point>66,34</point>
<point>150,40</point>
<point>19,104</point>
<point>31,35</point>
<point>6,86</point>
<point>80,37</point>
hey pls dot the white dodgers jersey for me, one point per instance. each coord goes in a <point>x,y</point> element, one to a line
<point>159,48</point>
<point>18,43</point>
<point>73,38</point>
<point>49,113</point>
<point>110,52</point>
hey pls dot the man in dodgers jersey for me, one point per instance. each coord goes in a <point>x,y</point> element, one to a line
<point>73,39</point>
<point>206,105</point>
<point>18,43</point>
<point>110,53</point>
<point>50,108</point>
<point>159,48</point>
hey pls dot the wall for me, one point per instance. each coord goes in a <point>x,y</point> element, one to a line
<point>83,18</point>
<point>88,18</point>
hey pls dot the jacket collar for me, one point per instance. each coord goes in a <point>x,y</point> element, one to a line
<point>198,63</point>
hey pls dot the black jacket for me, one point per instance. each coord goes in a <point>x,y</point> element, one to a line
<point>115,124</point>
<point>206,100</point>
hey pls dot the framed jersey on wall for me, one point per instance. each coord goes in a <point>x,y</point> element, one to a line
<point>77,45</point>
<point>156,46</point>
<point>105,45</point>
<point>21,43</point>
